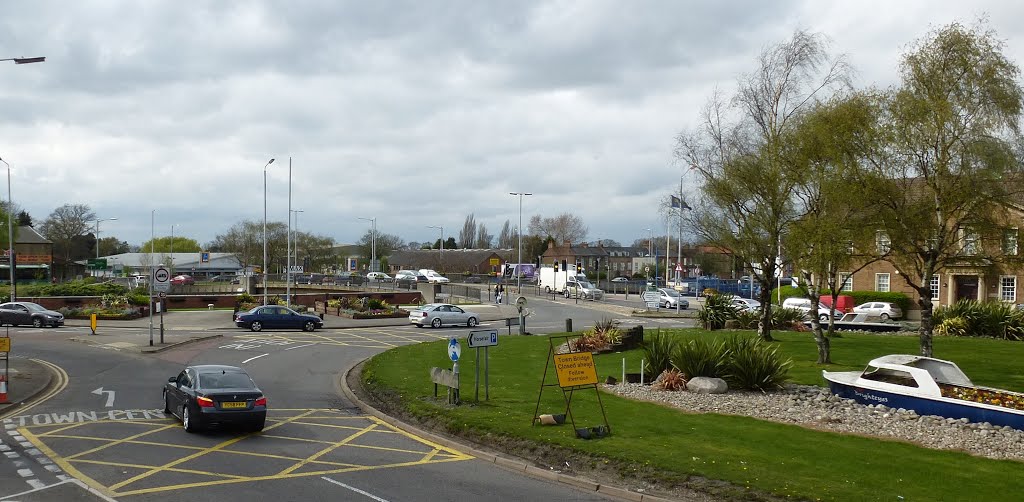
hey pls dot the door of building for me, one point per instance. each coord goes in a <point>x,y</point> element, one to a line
<point>966,287</point>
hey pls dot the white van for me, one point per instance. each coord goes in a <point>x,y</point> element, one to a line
<point>804,304</point>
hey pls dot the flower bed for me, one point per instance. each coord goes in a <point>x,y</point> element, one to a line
<point>984,396</point>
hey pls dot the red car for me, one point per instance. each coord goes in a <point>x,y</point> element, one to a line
<point>181,280</point>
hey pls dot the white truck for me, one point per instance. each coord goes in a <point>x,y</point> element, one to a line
<point>578,284</point>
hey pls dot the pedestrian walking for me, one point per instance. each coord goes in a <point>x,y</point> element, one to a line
<point>498,290</point>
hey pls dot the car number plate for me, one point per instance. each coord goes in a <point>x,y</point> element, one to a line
<point>233,404</point>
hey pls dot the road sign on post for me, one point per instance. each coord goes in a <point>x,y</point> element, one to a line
<point>161,280</point>
<point>477,339</point>
<point>97,264</point>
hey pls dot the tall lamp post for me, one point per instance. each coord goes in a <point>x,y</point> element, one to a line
<point>288,277</point>
<point>265,230</point>
<point>10,231</point>
<point>373,242</point>
<point>679,244</point>
<point>440,252</point>
<point>519,268</point>
<point>11,263</point>
<point>172,248</point>
<point>98,235</point>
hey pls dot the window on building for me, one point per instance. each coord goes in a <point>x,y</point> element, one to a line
<point>969,240</point>
<point>935,288</point>
<point>1010,242</point>
<point>1008,288</point>
<point>845,281</point>
<point>882,282</point>
<point>882,242</point>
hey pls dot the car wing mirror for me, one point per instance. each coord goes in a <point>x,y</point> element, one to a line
<point>173,379</point>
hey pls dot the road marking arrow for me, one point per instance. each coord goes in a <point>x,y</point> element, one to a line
<point>110,396</point>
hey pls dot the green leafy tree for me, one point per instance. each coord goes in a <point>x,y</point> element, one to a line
<point>940,185</point>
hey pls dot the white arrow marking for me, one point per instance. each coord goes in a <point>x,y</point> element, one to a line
<point>110,396</point>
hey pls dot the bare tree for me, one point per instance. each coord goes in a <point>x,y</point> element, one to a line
<point>483,239</point>
<point>505,239</point>
<point>562,228</point>
<point>747,191</point>
<point>467,236</point>
<point>64,226</point>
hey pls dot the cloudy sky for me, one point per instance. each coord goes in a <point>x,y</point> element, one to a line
<point>415,113</point>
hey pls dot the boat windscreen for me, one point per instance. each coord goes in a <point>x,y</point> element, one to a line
<point>943,372</point>
<point>888,375</point>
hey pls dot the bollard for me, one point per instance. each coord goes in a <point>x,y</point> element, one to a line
<point>568,325</point>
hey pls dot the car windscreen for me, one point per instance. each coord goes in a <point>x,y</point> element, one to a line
<point>670,292</point>
<point>35,307</point>
<point>225,381</point>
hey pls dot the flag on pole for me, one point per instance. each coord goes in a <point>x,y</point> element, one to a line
<point>676,201</point>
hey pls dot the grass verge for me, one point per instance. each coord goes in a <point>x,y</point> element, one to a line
<point>729,456</point>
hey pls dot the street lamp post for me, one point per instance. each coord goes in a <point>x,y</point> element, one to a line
<point>10,231</point>
<point>519,268</point>
<point>265,230</point>
<point>98,234</point>
<point>373,242</point>
<point>172,248</point>
<point>288,277</point>
<point>11,261</point>
<point>440,252</point>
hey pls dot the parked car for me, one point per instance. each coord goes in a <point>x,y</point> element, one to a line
<point>377,276</point>
<point>277,317</point>
<point>406,275</point>
<point>183,280</point>
<point>26,313</point>
<point>620,279</point>
<point>579,287</point>
<point>233,279</point>
<point>473,279</point>
<point>804,304</point>
<point>670,297</point>
<point>436,278</point>
<point>883,310</point>
<point>328,280</point>
<point>350,279</point>
<point>748,304</point>
<point>209,394</point>
<point>442,314</point>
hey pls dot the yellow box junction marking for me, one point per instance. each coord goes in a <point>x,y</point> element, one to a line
<point>575,369</point>
<point>351,426</point>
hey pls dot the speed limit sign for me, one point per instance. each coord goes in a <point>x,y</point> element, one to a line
<point>161,279</point>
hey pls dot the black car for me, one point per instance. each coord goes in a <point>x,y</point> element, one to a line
<point>207,395</point>
<point>350,278</point>
<point>276,316</point>
<point>25,313</point>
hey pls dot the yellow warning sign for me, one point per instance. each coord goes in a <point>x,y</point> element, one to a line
<point>575,369</point>
<point>5,344</point>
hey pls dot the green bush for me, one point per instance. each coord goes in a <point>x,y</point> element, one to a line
<point>82,287</point>
<point>658,351</point>
<point>717,309</point>
<point>753,364</point>
<point>982,319</point>
<point>700,357</point>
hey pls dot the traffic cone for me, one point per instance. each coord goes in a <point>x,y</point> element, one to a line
<point>3,389</point>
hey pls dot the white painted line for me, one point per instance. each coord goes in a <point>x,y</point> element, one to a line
<point>44,460</point>
<point>300,346</point>
<point>254,358</point>
<point>35,483</point>
<point>52,468</point>
<point>11,454</point>
<point>34,452</point>
<point>64,480</point>
<point>4,447</point>
<point>357,490</point>
<point>64,477</point>
<point>25,473</point>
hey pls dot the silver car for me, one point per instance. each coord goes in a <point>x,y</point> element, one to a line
<point>884,310</point>
<point>442,314</point>
<point>670,297</point>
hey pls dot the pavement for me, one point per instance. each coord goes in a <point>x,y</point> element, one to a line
<point>28,379</point>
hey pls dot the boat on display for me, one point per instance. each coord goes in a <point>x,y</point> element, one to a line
<point>859,322</point>
<point>928,386</point>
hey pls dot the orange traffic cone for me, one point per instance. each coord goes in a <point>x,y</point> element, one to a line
<point>3,390</point>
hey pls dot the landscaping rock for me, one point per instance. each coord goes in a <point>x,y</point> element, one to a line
<point>707,385</point>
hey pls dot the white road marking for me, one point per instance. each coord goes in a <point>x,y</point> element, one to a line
<point>300,346</point>
<point>35,483</point>
<point>357,490</point>
<point>64,480</point>
<point>254,358</point>
<point>25,472</point>
<point>110,396</point>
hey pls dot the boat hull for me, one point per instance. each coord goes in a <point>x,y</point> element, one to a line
<point>929,406</point>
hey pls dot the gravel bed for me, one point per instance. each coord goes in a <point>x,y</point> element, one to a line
<point>817,408</point>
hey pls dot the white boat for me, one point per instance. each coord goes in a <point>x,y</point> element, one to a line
<point>928,386</point>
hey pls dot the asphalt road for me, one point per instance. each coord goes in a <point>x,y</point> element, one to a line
<point>106,428</point>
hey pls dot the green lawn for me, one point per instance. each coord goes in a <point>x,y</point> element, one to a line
<point>750,454</point>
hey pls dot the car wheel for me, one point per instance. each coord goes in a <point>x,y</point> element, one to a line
<point>256,326</point>
<point>436,322</point>
<point>823,318</point>
<point>883,316</point>
<point>191,423</point>
<point>547,289</point>
<point>472,322</point>
<point>167,405</point>
<point>37,322</point>
<point>309,326</point>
